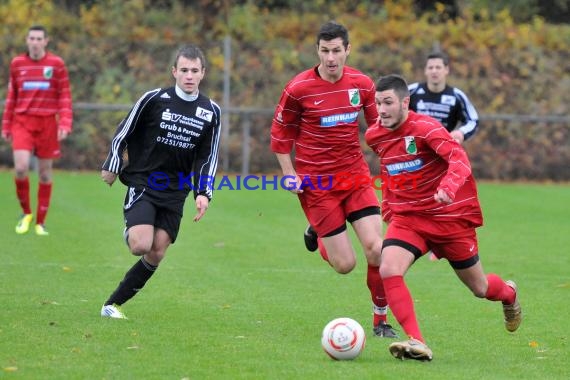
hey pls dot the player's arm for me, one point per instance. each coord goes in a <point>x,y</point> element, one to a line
<point>284,130</point>
<point>9,106</point>
<point>459,167</point>
<point>206,158</point>
<point>292,180</point>
<point>468,116</point>
<point>114,161</point>
<point>65,110</point>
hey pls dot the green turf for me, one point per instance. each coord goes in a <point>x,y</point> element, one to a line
<point>238,297</point>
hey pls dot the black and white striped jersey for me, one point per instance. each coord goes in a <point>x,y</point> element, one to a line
<point>172,144</point>
<point>451,107</point>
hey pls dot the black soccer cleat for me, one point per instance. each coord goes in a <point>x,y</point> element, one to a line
<point>310,237</point>
<point>384,330</point>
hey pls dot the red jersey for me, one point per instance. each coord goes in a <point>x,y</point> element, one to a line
<point>418,159</point>
<point>319,120</point>
<point>38,88</point>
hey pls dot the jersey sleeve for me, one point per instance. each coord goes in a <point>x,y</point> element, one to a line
<point>369,105</point>
<point>65,111</point>
<point>459,167</point>
<point>206,159</point>
<point>114,161</point>
<point>285,125</point>
<point>468,115</point>
<point>10,104</point>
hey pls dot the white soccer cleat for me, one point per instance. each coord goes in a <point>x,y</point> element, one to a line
<point>513,313</point>
<point>411,349</point>
<point>113,311</point>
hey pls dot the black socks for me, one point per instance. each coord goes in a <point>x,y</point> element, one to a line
<point>133,281</point>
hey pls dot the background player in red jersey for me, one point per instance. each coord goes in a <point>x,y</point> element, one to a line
<point>317,116</point>
<point>37,116</point>
<point>439,210</point>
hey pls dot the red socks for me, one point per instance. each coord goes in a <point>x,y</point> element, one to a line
<point>374,282</point>
<point>498,290</point>
<point>402,305</point>
<point>44,196</point>
<point>23,194</point>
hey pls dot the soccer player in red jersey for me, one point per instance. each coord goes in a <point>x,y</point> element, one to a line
<point>37,116</point>
<point>438,211</point>
<point>317,116</point>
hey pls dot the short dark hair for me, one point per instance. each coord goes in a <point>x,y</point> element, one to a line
<point>439,54</point>
<point>38,28</point>
<point>393,82</point>
<point>332,30</point>
<point>190,51</point>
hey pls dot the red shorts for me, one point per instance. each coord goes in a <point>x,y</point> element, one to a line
<point>327,210</point>
<point>454,240</point>
<point>36,134</point>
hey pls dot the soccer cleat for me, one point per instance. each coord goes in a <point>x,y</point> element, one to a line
<point>411,349</point>
<point>310,237</point>
<point>113,311</point>
<point>41,230</point>
<point>513,312</point>
<point>24,224</point>
<point>384,330</point>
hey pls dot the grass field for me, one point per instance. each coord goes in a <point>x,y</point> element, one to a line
<point>238,297</point>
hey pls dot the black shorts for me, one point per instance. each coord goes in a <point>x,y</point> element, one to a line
<point>159,209</point>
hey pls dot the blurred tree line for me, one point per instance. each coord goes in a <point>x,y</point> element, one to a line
<point>509,57</point>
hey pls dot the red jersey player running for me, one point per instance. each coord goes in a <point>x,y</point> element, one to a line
<point>438,210</point>
<point>37,116</point>
<point>317,116</point>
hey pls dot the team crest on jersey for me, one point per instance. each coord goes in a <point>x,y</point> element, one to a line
<point>48,72</point>
<point>411,147</point>
<point>448,99</point>
<point>354,96</point>
<point>204,114</point>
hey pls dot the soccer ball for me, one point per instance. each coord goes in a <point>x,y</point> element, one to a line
<point>343,339</point>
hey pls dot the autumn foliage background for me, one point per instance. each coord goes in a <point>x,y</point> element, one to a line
<point>115,51</point>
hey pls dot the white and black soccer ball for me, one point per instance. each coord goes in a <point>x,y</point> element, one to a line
<point>343,339</point>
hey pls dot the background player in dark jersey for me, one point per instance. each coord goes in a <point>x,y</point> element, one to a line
<point>37,116</point>
<point>430,202</point>
<point>172,137</point>
<point>448,104</point>
<point>317,116</point>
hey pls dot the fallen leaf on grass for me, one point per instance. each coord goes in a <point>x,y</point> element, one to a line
<point>10,369</point>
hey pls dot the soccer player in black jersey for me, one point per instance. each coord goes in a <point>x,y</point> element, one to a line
<point>172,138</point>
<point>449,105</point>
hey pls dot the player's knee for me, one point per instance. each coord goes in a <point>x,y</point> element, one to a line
<point>139,248</point>
<point>21,172</point>
<point>344,266</point>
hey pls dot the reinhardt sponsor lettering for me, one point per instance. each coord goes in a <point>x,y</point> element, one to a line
<point>334,120</point>
<point>408,166</point>
<point>35,85</point>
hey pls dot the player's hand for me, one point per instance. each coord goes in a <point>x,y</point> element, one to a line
<point>62,135</point>
<point>442,197</point>
<point>293,184</point>
<point>7,136</point>
<point>202,203</point>
<point>458,136</point>
<point>108,177</point>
